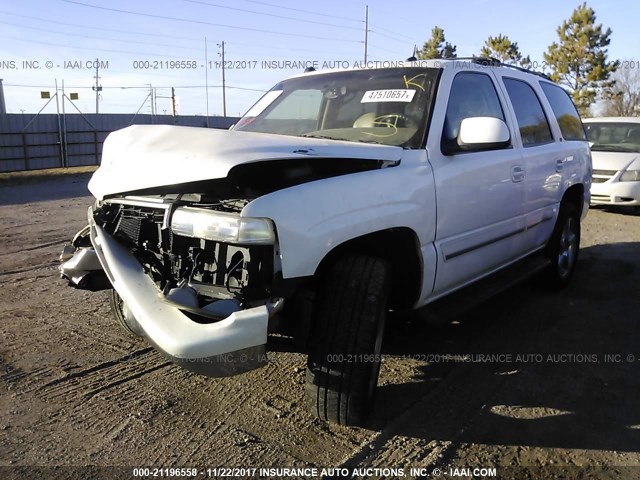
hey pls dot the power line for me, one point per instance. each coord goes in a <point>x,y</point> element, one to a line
<point>270,14</point>
<point>97,38</point>
<point>304,11</point>
<point>109,50</point>
<point>140,33</point>
<point>39,19</point>
<point>384,49</point>
<point>396,34</point>
<point>327,15</point>
<point>385,35</point>
<point>253,45</point>
<point>202,22</point>
<point>251,57</point>
<point>133,87</point>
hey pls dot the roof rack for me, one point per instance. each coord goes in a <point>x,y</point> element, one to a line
<point>494,62</point>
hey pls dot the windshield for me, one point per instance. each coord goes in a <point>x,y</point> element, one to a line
<point>614,137</point>
<point>387,106</point>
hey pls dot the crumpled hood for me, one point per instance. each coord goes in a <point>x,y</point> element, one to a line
<point>146,156</point>
<point>615,160</point>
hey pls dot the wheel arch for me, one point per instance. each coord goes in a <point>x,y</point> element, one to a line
<point>400,246</point>
<point>575,196</point>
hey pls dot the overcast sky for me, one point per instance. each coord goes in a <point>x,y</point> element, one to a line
<point>144,42</point>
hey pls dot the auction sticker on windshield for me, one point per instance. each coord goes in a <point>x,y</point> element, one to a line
<point>396,95</point>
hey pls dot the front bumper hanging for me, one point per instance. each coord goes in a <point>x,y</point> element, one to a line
<point>226,347</point>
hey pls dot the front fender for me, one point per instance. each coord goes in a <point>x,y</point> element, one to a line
<point>313,218</point>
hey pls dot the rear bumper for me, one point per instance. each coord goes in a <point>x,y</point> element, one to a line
<point>227,347</point>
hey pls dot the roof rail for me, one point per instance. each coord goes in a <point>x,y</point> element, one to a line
<point>494,62</point>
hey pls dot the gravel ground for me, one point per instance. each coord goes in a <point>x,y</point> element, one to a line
<point>548,388</point>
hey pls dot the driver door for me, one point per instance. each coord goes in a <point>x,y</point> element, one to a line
<point>480,213</point>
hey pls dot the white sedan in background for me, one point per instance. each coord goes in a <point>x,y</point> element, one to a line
<point>615,150</point>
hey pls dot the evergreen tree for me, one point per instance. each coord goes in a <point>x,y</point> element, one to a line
<point>579,59</point>
<point>437,46</point>
<point>503,49</point>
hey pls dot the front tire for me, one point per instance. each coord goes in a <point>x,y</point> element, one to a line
<point>563,247</point>
<point>344,362</point>
<point>125,320</point>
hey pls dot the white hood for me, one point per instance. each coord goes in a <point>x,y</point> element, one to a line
<point>146,156</point>
<point>615,160</point>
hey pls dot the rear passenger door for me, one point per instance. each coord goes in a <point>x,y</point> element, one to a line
<point>543,159</point>
<point>479,222</point>
<point>576,154</point>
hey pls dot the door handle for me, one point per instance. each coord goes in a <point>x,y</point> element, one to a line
<point>517,173</point>
<point>560,164</point>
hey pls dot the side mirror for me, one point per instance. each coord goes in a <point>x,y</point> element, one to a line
<point>483,133</point>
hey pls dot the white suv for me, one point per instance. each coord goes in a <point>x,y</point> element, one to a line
<point>339,196</point>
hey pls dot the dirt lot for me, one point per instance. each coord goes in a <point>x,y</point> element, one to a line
<point>549,386</point>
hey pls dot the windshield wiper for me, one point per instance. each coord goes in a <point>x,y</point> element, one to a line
<point>326,137</point>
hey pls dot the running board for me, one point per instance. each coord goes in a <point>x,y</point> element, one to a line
<point>455,304</point>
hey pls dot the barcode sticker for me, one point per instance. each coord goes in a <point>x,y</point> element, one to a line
<point>397,95</point>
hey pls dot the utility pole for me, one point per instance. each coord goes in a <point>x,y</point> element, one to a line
<point>172,97</point>
<point>206,79</point>
<point>3,107</point>
<point>61,141</point>
<point>366,32</point>
<point>152,100</point>
<point>97,87</point>
<point>224,93</point>
<point>64,127</point>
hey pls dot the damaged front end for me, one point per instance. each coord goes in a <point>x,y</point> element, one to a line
<point>196,277</point>
<point>193,275</point>
<point>80,264</point>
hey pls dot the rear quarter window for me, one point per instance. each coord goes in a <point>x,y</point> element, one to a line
<point>564,111</point>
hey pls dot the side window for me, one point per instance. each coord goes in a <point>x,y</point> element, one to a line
<point>564,111</point>
<point>472,95</point>
<point>534,127</point>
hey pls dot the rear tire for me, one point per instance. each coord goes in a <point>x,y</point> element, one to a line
<point>563,247</point>
<point>118,309</point>
<point>344,362</point>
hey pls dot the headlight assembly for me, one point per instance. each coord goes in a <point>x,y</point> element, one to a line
<point>222,227</point>
<point>630,176</point>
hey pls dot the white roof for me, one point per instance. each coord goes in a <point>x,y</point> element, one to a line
<point>612,120</point>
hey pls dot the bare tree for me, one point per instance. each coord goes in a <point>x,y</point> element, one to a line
<point>624,97</point>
